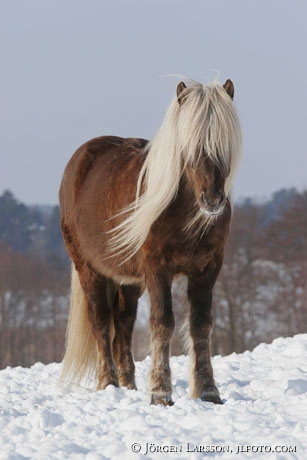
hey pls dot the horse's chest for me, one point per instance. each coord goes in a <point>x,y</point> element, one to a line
<point>173,249</point>
<point>189,260</point>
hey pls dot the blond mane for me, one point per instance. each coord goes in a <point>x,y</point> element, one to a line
<point>206,121</point>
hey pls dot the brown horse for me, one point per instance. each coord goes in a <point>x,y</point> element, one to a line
<point>135,214</point>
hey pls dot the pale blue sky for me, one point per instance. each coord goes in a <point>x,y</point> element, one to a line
<point>75,69</point>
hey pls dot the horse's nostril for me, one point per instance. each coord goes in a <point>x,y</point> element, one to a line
<point>212,201</point>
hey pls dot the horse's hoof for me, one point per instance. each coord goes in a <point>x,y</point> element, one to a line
<point>128,383</point>
<point>212,395</point>
<point>162,400</point>
<point>129,386</point>
<point>215,399</point>
<point>105,383</point>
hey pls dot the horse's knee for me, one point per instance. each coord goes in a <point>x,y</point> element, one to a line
<point>201,327</point>
<point>162,324</point>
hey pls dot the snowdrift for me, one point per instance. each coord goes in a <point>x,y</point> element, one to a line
<point>264,413</point>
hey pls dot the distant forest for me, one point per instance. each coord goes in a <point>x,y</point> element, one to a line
<point>261,292</point>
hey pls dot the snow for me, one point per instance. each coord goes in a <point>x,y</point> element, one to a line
<point>264,412</point>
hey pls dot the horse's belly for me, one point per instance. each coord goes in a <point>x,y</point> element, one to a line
<point>124,274</point>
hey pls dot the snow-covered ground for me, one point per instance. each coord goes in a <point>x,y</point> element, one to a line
<point>264,413</point>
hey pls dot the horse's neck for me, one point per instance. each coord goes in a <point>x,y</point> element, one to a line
<point>186,195</point>
<point>183,207</point>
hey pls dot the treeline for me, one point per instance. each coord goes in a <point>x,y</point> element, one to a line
<point>34,280</point>
<point>30,229</point>
<point>261,292</point>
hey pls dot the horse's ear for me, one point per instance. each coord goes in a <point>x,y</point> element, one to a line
<point>229,88</point>
<point>181,87</point>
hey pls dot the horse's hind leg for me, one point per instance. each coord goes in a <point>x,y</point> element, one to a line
<point>124,315</point>
<point>95,287</point>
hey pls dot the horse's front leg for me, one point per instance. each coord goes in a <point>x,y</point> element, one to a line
<point>200,296</point>
<point>162,326</point>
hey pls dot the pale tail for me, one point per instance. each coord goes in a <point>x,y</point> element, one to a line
<point>80,358</point>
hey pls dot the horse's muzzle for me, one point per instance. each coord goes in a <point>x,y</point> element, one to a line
<point>213,206</point>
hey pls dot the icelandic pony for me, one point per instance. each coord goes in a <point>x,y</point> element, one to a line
<point>136,213</point>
